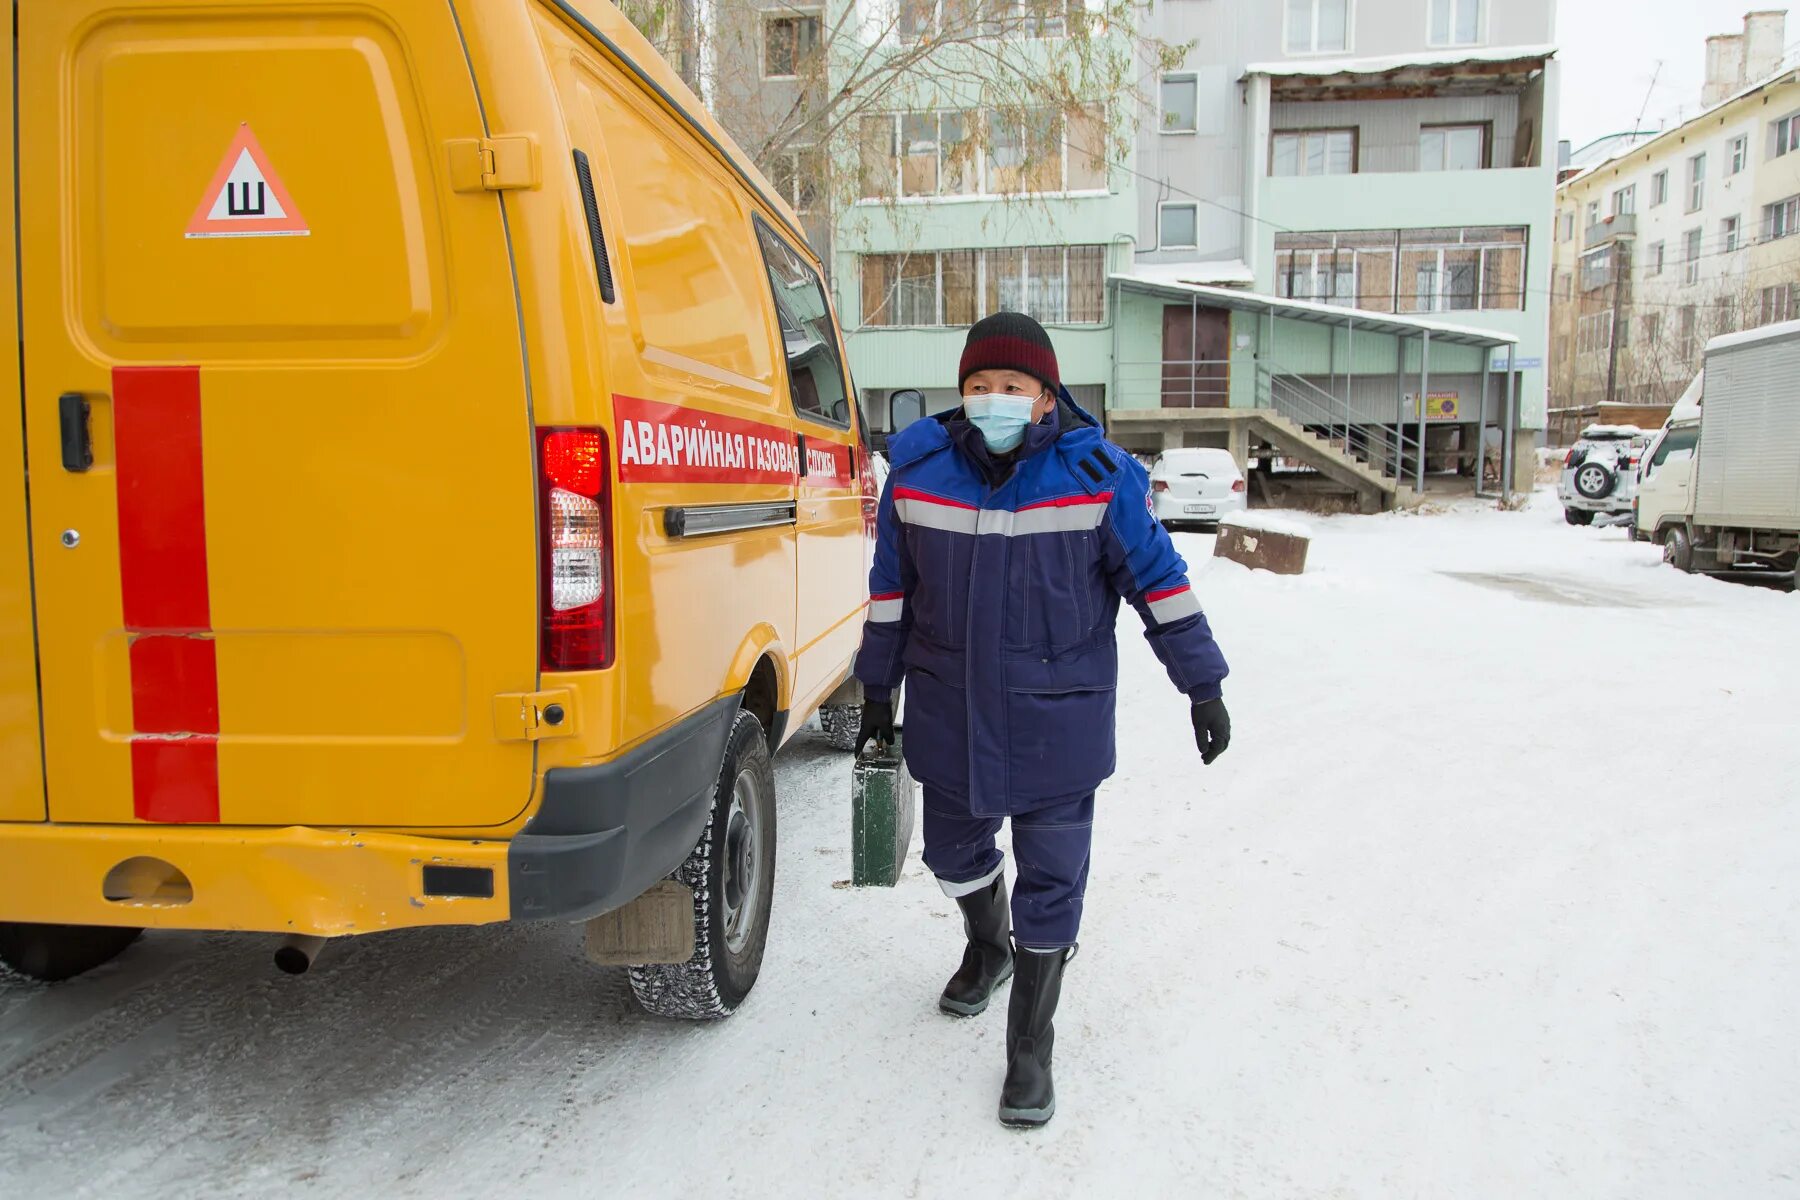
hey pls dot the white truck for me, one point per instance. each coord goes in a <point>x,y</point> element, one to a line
<point>1719,489</point>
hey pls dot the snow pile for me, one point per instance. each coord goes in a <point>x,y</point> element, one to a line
<point>1269,522</point>
<point>1468,910</point>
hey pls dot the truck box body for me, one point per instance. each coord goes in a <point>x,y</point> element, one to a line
<point>1747,474</point>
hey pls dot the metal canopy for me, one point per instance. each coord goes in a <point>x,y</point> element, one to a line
<point>1364,320</point>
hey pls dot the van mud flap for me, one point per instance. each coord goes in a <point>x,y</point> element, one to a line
<point>604,834</point>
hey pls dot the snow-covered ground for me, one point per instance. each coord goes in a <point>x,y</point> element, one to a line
<point>1495,894</point>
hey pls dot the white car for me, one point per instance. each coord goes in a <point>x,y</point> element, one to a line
<point>1198,485</point>
<point>1599,476</point>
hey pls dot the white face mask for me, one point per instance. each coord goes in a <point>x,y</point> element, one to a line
<point>1001,419</point>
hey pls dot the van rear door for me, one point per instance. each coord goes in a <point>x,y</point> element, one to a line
<point>302,562</point>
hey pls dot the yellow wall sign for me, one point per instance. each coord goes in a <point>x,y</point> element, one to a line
<point>1441,406</point>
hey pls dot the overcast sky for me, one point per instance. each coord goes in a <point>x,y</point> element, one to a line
<point>1609,51</point>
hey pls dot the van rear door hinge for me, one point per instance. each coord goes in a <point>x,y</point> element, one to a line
<point>533,716</point>
<point>493,164</point>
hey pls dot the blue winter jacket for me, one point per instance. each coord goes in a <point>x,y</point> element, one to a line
<point>997,605</point>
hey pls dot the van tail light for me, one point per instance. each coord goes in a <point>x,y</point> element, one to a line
<point>1237,485</point>
<point>575,517</point>
<point>1159,485</point>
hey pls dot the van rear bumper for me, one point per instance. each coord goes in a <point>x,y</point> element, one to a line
<point>600,837</point>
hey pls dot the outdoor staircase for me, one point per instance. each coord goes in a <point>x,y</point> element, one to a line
<point>1330,458</point>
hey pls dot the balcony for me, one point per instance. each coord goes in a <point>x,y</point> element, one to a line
<point>1619,227</point>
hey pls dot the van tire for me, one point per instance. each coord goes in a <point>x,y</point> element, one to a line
<point>56,952</point>
<point>841,723</point>
<point>736,851</point>
<point>1678,548</point>
<point>1578,516</point>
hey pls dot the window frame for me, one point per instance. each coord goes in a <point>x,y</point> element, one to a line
<point>792,155</point>
<point>1354,131</point>
<point>1696,182</point>
<point>1787,135</point>
<point>1629,208</point>
<point>1161,205</point>
<point>772,17</point>
<point>979,164</point>
<point>1657,251</point>
<point>1191,78</point>
<point>978,283</point>
<point>1784,213</point>
<point>1659,188</point>
<point>1313,50</point>
<point>1737,154</point>
<point>1484,128</point>
<point>1691,242</point>
<point>1450,42</point>
<point>764,229</point>
<point>1731,234</point>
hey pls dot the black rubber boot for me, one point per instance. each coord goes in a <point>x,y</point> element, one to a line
<point>1028,1098</point>
<point>988,959</point>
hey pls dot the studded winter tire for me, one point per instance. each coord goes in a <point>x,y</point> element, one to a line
<point>56,952</point>
<point>732,873</point>
<point>841,723</point>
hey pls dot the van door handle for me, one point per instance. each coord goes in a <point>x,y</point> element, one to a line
<point>800,444</point>
<point>77,441</point>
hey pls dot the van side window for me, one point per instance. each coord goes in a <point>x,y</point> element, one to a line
<point>1677,441</point>
<point>808,335</point>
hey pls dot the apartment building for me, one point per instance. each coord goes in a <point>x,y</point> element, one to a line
<point>1678,237</point>
<point>1383,162</point>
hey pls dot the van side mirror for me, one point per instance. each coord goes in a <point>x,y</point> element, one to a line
<point>905,407</point>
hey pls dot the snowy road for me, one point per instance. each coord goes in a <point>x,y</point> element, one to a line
<point>1496,894</point>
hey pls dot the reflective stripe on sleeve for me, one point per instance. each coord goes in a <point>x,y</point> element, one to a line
<point>887,607</point>
<point>1171,604</point>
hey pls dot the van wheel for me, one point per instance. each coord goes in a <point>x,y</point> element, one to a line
<point>56,952</point>
<point>841,723</point>
<point>1578,516</point>
<point>732,873</point>
<point>1678,550</point>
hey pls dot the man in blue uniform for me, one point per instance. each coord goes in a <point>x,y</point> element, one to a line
<point>1008,533</point>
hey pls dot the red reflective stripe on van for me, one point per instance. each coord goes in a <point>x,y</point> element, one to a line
<point>175,780</point>
<point>162,506</point>
<point>164,591</point>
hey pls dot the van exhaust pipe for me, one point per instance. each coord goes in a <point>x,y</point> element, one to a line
<point>297,952</point>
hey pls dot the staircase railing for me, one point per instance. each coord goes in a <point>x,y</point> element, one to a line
<point>1384,448</point>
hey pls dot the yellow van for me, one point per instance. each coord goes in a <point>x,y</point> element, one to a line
<point>440,486</point>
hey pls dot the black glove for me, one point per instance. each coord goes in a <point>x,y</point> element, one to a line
<point>877,723</point>
<point>1212,728</point>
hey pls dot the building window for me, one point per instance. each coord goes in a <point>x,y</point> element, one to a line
<point>787,43</point>
<point>1405,270</point>
<point>922,20</point>
<point>932,154</point>
<point>1176,226</point>
<point>1455,22</point>
<point>1565,225</point>
<point>1653,259</point>
<point>1596,269</point>
<point>1453,147</point>
<point>1313,152</point>
<point>798,176</point>
<point>1652,328</point>
<point>1696,196</point>
<point>1624,201</point>
<point>1593,332</point>
<point>1317,26</point>
<point>1737,155</point>
<point>1685,343</point>
<point>1690,256</point>
<point>1787,135</point>
<point>1180,104</point>
<point>1777,304</point>
<point>1659,188</point>
<point>1593,213</point>
<point>1728,234</point>
<point>1054,284</point>
<point>1726,320</point>
<point>1780,218</point>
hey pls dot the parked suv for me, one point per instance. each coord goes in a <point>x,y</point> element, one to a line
<point>1599,476</point>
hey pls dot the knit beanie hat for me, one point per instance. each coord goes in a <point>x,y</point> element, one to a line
<point>1009,341</point>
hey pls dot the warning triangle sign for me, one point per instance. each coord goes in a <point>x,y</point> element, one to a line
<point>246,198</point>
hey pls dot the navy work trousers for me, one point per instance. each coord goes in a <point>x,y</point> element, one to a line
<point>1050,844</point>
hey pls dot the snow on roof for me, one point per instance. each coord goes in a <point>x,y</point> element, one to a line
<point>1616,431</point>
<point>1226,271</point>
<point>1766,333</point>
<point>1788,66</point>
<point>1687,408</point>
<point>1397,62</point>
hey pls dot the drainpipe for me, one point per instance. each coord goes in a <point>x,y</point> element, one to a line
<point>1424,387</point>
